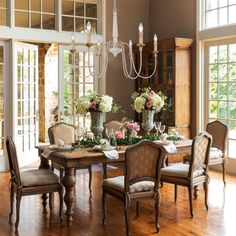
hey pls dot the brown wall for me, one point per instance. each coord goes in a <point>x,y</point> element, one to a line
<point>130,14</point>
<point>177,18</point>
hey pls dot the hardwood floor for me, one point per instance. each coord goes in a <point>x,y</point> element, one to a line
<point>174,220</point>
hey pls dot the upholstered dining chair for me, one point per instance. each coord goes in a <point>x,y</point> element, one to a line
<point>31,182</point>
<point>114,125</point>
<point>219,132</point>
<point>194,173</point>
<point>67,133</point>
<point>140,182</point>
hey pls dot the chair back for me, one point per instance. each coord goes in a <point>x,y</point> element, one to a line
<point>219,131</point>
<point>13,162</point>
<point>62,131</point>
<point>143,163</point>
<point>113,124</point>
<point>200,152</point>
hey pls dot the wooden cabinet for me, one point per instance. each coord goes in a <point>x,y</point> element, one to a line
<point>172,78</point>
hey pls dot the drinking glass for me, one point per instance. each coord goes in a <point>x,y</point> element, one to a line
<point>162,129</point>
<point>80,132</point>
<point>157,126</point>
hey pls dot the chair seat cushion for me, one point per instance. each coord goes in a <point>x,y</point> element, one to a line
<point>118,184</point>
<point>179,171</point>
<point>215,153</point>
<point>38,177</point>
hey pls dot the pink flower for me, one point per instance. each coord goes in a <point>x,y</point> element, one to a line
<point>119,134</point>
<point>152,93</point>
<point>149,105</point>
<point>93,105</point>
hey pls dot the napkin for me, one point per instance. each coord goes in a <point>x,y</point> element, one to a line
<point>111,154</point>
<point>170,148</point>
<point>46,153</point>
<point>215,153</point>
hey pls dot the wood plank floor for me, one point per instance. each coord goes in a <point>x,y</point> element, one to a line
<point>175,219</point>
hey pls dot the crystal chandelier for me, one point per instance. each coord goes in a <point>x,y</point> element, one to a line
<point>115,47</point>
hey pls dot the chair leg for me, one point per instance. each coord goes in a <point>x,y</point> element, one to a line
<point>157,210</point>
<point>104,208</point>
<point>205,185</point>
<point>190,193</point>
<point>61,173</point>
<point>137,209</point>
<point>195,192</point>
<point>11,202</point>
<point>44,198</point>
<point>104,170</point>
<point>176,192</point>
<point>61,204</point>
<point>90,179</point>
<point>51,200</point>
<point>126,205</point>
<point>18,199</point>
<point>223,167</point>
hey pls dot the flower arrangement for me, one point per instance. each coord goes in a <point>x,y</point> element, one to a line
<point>147,99</point>
<point>131,128</point>
<point>93,101</point>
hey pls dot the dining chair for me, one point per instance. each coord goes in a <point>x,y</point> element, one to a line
<point>67,133</point>
<point>114,125</point>
<point>141,180</point>
<point>194,173</point>
<point>31,182</point>
<point>219,132</point>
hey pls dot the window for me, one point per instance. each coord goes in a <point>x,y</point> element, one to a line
<point>77,81</point>
<point>76,14</point>
<point>218,13</point>
<point>1,100</point>
<point>221,92</point>
<point>3,12</point>
<point>39,14</point>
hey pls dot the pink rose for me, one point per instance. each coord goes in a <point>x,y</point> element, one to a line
<point>119,134</point>
<point>93,105</point>
<point>149,105</point>
<point>152,93</point>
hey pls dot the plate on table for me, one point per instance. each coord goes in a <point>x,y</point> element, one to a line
<point>61,148</point>
<point>167,142</point>
<point>99,148</point>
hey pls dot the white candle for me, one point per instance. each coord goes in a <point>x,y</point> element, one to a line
<point>89,32</point>
<point>155,43</point>
<point>140,29</point>
<point>130,47</point>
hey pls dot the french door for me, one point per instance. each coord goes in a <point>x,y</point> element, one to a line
<point>25,101</point>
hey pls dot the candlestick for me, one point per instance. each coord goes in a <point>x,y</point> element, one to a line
<point>140,28</point>
<point>155,43</point>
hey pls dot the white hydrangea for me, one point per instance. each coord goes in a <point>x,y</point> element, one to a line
<point>105,103</point>
<point>139,104</point>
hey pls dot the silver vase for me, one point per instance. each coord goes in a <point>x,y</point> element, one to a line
<point>97,119</point>
<point>147,120</point>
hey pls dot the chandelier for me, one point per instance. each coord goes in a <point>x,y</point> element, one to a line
<point>115,47</point>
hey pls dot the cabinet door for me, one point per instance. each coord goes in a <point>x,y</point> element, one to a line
<point>170,111</point>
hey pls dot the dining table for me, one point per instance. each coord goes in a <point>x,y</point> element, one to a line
<point>71,159</point>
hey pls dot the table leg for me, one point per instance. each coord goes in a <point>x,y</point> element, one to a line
<point>44,163</point>
<point>69,182</point>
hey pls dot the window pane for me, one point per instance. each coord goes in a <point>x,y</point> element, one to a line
<point>232,71</point>
<point>213,72</point>
<point>1,54</point>
<point>223,53</point>
<point>93,24</point>
<point>36,5</point>
<point>3,3</point>
<point>211,4</point>
<point>232,52</point>
<point>79,24</point>
<point>232,110</point>
<point>35,20</point>
<point>3,17</point>
<point>213,54</point>
<point>223,91</point>
<point>211,18</point>
<point>68,7</point>
<point>91,10</point>
<point>232,148</point>
<point>223,3</point>
<point>21,19</point>
<point>222,110</point>
<point>67,23</point>
<point>223,72</point>
<point>213,90</point>
<point>232,2</point>
<point>213,109</point>
<point>232,91</point>
<point>1,73</point>
<point>79,9</point>
<point>232,15</point>
<point>48,21</point>
<point>223,16</point>
<point>232,129</point>
<point>22,4</point>
<point>48,6</point>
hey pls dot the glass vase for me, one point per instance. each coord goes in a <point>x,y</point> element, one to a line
<point>147,120</point>
<point>97,119</point>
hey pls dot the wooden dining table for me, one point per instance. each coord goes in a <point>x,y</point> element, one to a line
<point>72,159</point>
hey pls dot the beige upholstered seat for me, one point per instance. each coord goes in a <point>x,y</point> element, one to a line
<point>141,181</point>
<point>219,131</point>
<point>67,133</point>
<point>193,174</point>
<point>30,182</point>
